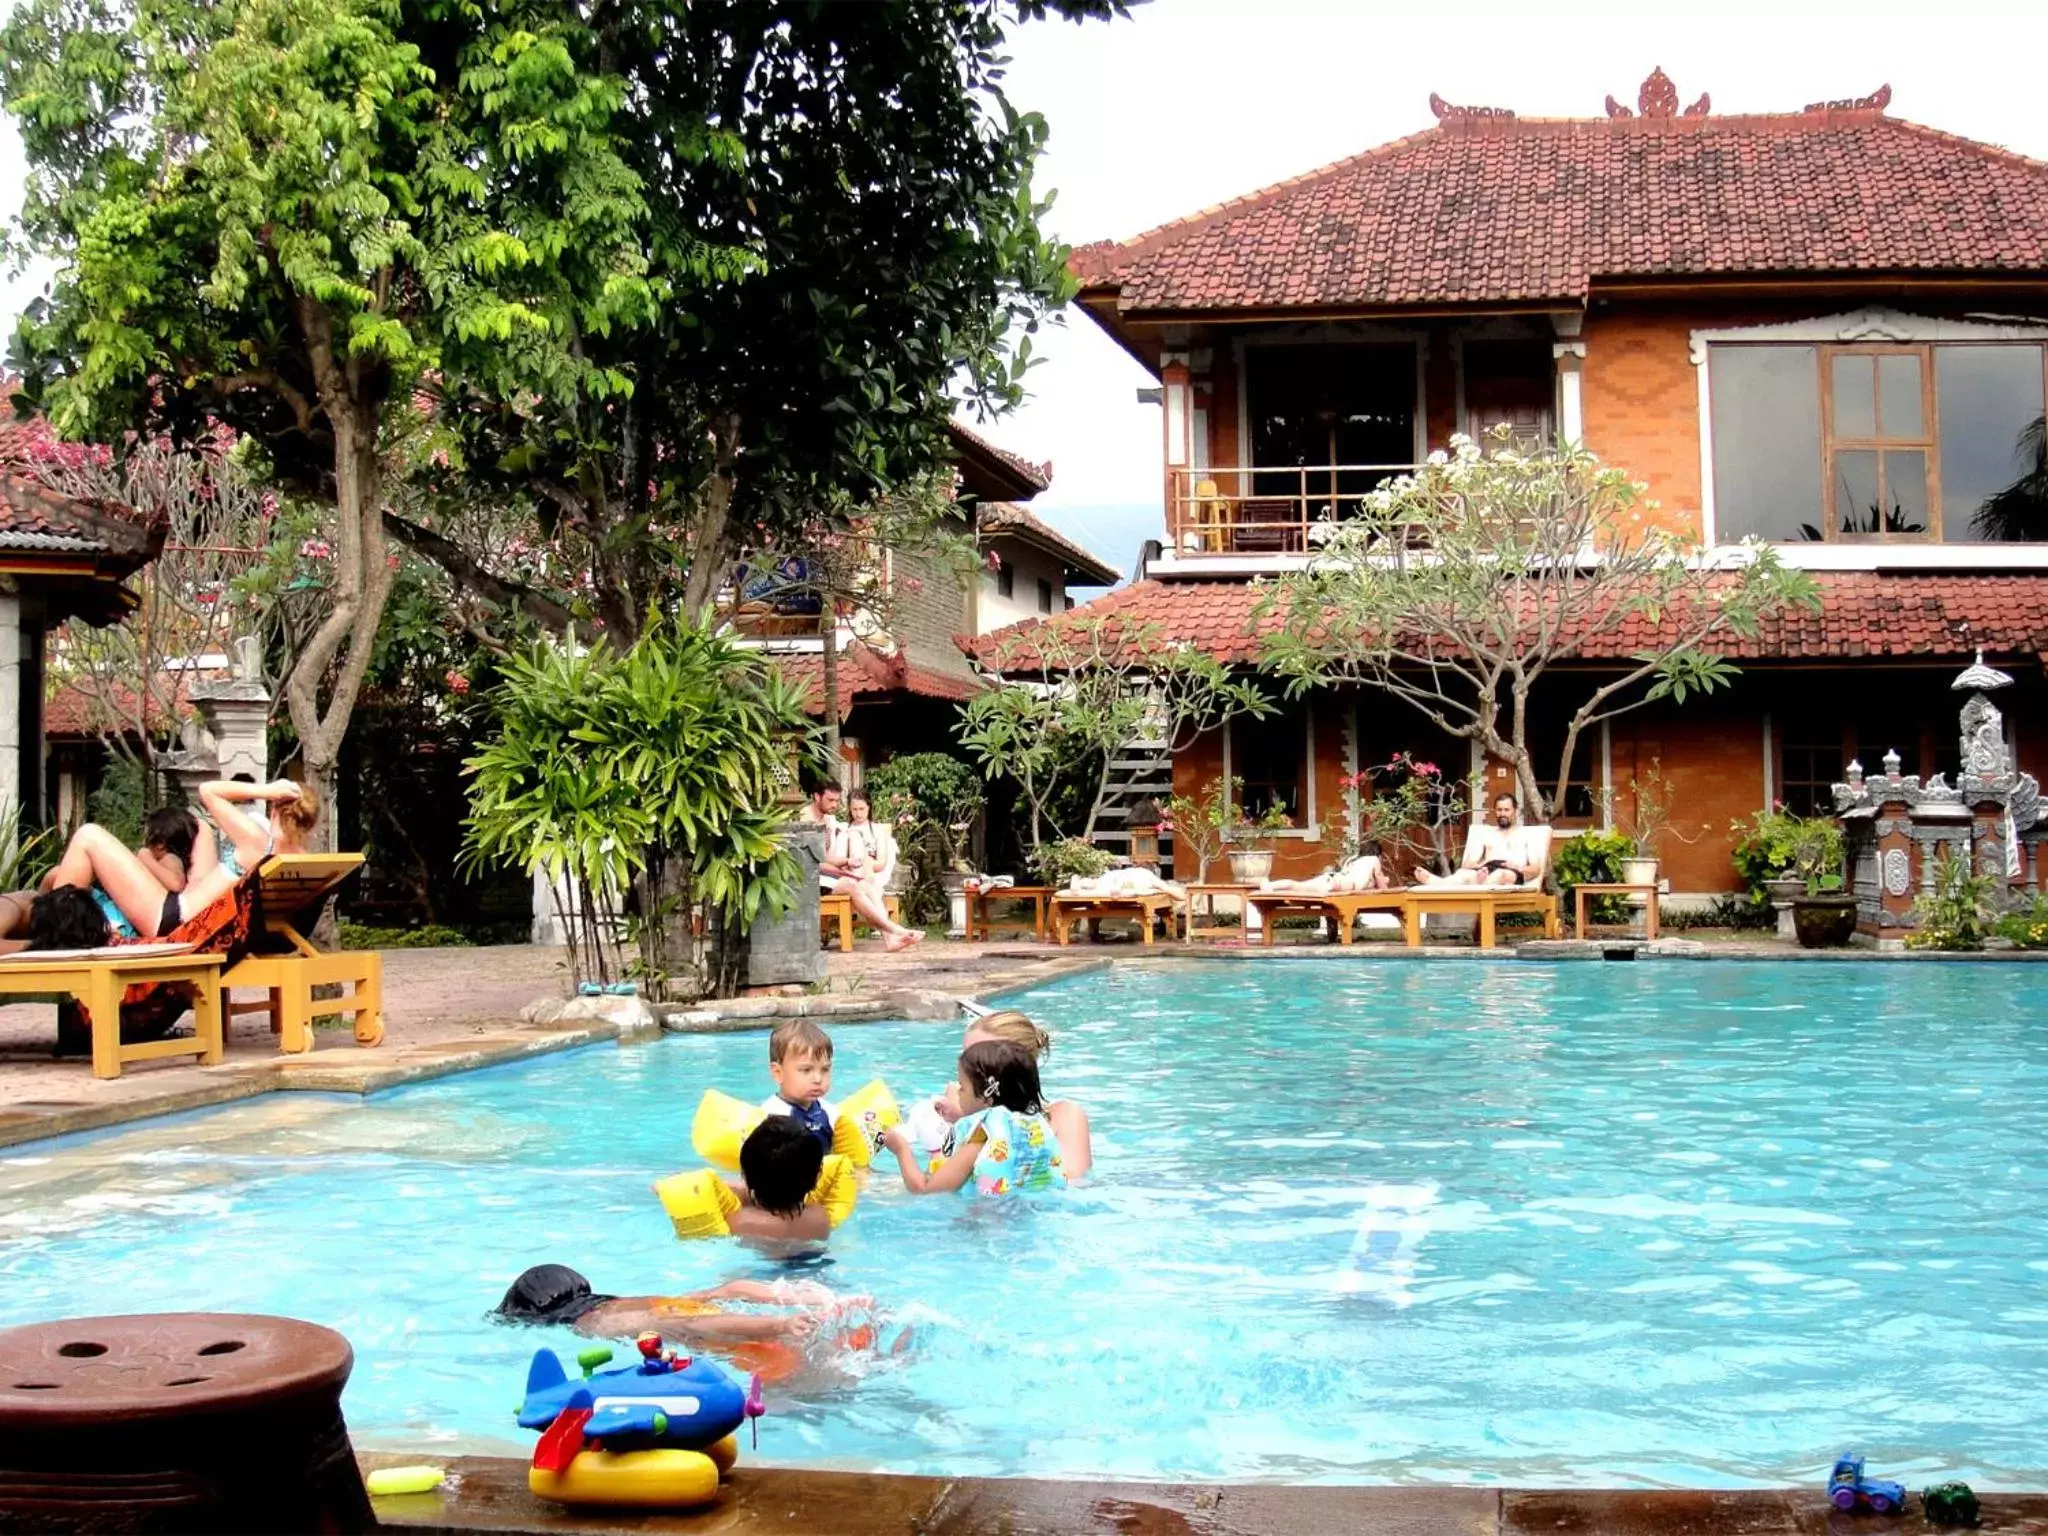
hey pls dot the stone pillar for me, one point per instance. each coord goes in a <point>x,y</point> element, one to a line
<point>785,950</point>
<point>1898,877</point>
<point>12,747</point>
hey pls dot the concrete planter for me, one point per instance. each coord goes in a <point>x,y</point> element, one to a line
<point>1250,866</point>
<point>1824,922</point>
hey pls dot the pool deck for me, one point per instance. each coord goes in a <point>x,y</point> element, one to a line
<point>489,1494</point>
<point>455,1010</point>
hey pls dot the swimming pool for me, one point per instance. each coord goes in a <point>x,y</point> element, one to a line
<point>1578,1224</point>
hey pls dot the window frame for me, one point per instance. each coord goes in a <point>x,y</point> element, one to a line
<point>1045,595</point>
<point>1006,579</point>
<point>1928,444</point>
<point>1306,783</point>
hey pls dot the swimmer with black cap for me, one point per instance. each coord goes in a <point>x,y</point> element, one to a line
<point>773,1345</point>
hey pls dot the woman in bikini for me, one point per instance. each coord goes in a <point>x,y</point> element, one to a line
<point>139,900</point>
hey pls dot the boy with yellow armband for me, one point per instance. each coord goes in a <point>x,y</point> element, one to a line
<point>793,1190</point>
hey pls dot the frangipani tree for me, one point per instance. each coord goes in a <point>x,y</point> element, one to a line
<point>1076,691</point>
<point>1461,586</point>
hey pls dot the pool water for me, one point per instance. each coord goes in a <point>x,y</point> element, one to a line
<point>1561,1225</point>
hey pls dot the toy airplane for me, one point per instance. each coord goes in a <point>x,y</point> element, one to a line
<point>651,1434</point>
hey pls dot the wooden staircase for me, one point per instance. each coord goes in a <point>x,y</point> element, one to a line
<point>1142,770</point>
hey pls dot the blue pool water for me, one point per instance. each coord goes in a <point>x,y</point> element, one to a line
<point>1583,1224</point>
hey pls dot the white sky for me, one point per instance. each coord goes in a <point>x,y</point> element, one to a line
<point>1190,102</point>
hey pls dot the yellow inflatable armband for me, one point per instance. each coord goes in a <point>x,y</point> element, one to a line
<point>721,1124</point>
<point>837,1189</point>
<point>699,1203</point>
<point>863,1115</point>
<point>654,1479</point>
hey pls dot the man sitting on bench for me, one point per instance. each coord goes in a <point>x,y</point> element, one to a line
<point>1501,852</point>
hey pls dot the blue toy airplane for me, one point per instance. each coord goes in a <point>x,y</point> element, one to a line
<point>665,1400</point>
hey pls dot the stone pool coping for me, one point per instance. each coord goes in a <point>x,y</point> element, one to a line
<point>489,1494</point>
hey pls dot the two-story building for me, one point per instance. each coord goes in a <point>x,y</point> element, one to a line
<point>1826,328</point>
<point>901,673</point>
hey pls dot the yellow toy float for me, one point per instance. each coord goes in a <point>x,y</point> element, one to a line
<point>722,1122</point>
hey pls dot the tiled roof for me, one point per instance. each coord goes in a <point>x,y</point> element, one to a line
<point>1489,209</point>
<point>1863,614</point>
<point>1009,518</point>
<point>34,517</point>
<point>1002,474</point>
<point>864,673</point>
<point>72,710</point>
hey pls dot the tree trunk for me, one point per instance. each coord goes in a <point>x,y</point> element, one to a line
<point>830,630</point>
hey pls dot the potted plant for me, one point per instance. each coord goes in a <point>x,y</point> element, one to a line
<point>1823,912</point>
<point>1778,853</point>
<point>1648,824</point>
<point>1251,861</point>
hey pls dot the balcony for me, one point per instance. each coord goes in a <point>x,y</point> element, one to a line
<point>1257,511</point>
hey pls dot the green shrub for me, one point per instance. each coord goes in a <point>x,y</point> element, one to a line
<point>1959,912</point>
<point>121,800</point>
<point>1777,845</point>
<point>2026,927</point>
<point>1593,858</point>
<point>930,801</point>
<point>1057,863</point>
<point>427,936</point>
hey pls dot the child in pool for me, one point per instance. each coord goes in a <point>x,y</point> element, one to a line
<point>800,1063</point>
<point>811,1326</point>
<point>779,1163</point>
<point>1002,1140</point>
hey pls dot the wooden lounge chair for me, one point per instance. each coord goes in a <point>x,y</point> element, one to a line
<point>97,980</point>
<point>286,896</point>
<point>1485,902</point>
<point>1339,910</point>
<point>837,907</point>
<point>1065,910</point>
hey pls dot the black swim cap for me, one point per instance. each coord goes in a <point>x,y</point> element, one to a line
<point>548,1293</point>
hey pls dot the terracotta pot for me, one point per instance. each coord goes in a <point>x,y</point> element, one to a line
<point>1824,922</point>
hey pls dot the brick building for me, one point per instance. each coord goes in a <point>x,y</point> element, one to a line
<point>902,676</point>
<point>1826,328</point>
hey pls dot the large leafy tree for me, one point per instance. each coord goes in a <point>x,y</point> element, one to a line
<point>867,190</point>
<point>1459,588</point>
<point>293,216</point>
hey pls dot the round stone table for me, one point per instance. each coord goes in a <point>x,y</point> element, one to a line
<point>182,1421</point>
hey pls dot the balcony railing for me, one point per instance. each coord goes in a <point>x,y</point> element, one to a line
<point>1254,511</point>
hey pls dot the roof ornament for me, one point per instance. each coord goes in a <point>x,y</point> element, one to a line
<point>1448,112</point>
<point>1659,98</point>
<point>1876,101</point>
<point>1979,678</point>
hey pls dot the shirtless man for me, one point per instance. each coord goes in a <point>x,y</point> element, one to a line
<point>840,872</point>
<point>1500,853</point>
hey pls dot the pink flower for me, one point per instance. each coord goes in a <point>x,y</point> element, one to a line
<point>317,549</point>
<point>456,682</point>
<point>1427,770</point>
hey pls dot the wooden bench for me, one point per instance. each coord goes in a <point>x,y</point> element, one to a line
<point>1339,910</point>
<point>837,907</point>
<point>1486,902</point>
<point>289,892</point>
<point>99,977</point>
<point>979,901</point>
<point>1065,911</point>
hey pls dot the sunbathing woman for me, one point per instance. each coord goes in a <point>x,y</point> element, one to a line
<point>1360,874</point>
<point>137,901</point>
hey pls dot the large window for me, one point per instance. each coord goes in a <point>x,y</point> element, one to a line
<point>1270,759</point>
<point>1915,443</point>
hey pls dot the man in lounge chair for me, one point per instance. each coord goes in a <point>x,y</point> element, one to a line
<point>1502,851</point>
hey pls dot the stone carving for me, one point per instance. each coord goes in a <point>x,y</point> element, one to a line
<point>1983,739</point>
<point>1876,101</point>
<point>1699,108</point>
<point>1658,97</point>
<point>1898,874</point>
<point>1446,111</point>
<point>1616,109</point>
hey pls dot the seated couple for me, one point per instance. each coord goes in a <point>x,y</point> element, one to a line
<point>101,890</point>
<point>859,861</point>
<point>1501,852</point>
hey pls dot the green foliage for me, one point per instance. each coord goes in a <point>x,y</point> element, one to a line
<point>1056,863</point>
<point>1777,845</point>
<point>2026,927</point>
<point>1458,587</point>
<point>1257,833</point>
<point>1592,858</point>
<point>1196,823</point>
<point>1086,688</point>
<point>1961,909</point>
<point>26,853</point>
<point>120,800</point>
<point>930,801</point>
<point>428,936</point>
<point>659,769</point>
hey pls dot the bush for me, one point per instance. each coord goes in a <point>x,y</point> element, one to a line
<point>1959,911</point>
<point>1057,863</point>
<point>1776,845</point>
<point>928,799</point>
<point>1593,858</point>
<point>2026,927</point>
<point>120,800</point>
<point>428,936</point>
